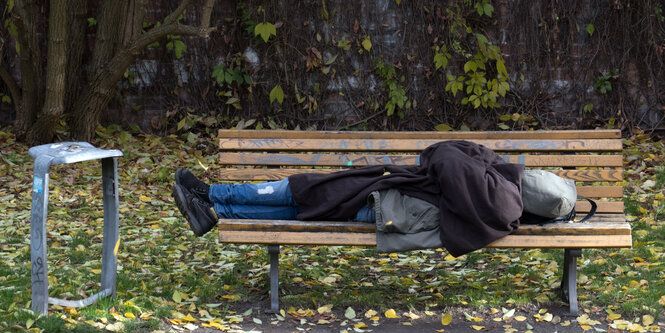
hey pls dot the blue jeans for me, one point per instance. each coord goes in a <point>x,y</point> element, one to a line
<point>269,200</point>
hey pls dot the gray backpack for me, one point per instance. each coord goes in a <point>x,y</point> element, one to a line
<point>549,198</point>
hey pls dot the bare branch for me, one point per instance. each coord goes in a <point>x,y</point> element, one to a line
<point>171,18</point>
<point>206,13</point>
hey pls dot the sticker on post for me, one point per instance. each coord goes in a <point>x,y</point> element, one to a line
<point>38,184</point>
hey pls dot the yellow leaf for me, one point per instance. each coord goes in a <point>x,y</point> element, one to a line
<point>446,319</point>
<point>449,257</point>
<point>647,320</point>
<point>375,318</point>
<point>188,318</point>
<point>360,325</point>
<point>478,328</point>
<point>96,271</point>
<point>130,315</point>
<point>661,301</point>
<point>391,314</point>
<point>411,315</point>
<point>520,318</point>
<point>323,309</point>
<point>370,313</point>
<point>144,198</point>
<point>177,297</point>
<point>585,327</point>
<point>613,316</point>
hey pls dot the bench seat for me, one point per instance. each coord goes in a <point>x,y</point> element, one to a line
<point>592,158</point>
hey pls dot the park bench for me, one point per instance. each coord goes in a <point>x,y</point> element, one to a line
<point>592,158</point>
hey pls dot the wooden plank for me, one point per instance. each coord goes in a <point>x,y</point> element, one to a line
<point>603,207</point>
<point>254,174</point>
<point>576,229</point>
<point>296,226</point>
<point>337,160</point>
<point>586,228</point>
<point>600,191</point>
<point>289,134</point>
<point>363,239</point>
<point>401,145</point>
<point>585,241</point>
<point>297,238</point>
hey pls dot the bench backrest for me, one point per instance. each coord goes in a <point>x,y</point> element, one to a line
<point>592,158</point>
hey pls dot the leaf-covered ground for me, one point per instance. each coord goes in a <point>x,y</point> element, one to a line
<point>170,280</point>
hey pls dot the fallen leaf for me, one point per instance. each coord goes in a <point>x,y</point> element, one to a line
<point>350,313</point>
<point>391,314</point>
<point>446,319</point>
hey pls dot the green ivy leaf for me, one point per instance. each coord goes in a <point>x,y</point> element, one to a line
<point>344,44</point>
<point>440,60</point>
<point>218,74</point>
<point>177,46</point>
<point>501,68</point>
<point>277,93</point>
<point>367,43</point>
<point>470,66</point>
<point>443,128</point>
<point>265,29</point>
<point>590,28</point>
<point>6,99</point>
<point>488,9</point>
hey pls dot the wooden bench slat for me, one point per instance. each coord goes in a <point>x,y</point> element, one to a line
<point>600,191</point>
<point>287,134</point>
<point>618,227</point>
<point>615,207</point>
<point>401,145</point>
<point>364,239</point>
<point>595,241</point>
<point>296,226</point>
<point>251,174</point>
<point>337,160</point>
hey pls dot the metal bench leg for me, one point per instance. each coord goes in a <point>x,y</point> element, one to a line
<point>274,278</point>
<point>111,241</point>
<point>38,264</point>
<point>569,278</point>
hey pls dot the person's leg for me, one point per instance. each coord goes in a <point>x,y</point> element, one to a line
<point>231,211</point>
<point>275,193</point>
<point>365,214</point>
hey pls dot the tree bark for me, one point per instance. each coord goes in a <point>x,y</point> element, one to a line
<point>76,40</point>
<point>14,89</point>
<point>103,85</point>
<point>106,41</point>
<point>32,85</point>
<point>56,60</point>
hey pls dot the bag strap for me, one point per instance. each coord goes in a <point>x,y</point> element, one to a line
<point>591,212</point>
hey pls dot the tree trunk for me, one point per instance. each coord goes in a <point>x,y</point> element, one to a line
<point>56,60</point>
<point>103,84</point>
<point>78,10</point>
<point>32,78</point>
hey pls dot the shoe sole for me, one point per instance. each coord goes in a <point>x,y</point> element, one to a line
<point>180,199</point>
<point>178,174</point>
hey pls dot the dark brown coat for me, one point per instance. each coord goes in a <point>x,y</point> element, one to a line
<point>477,192</point>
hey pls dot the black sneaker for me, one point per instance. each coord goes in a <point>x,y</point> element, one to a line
<point>199,214</point>
<point>192,184</point>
